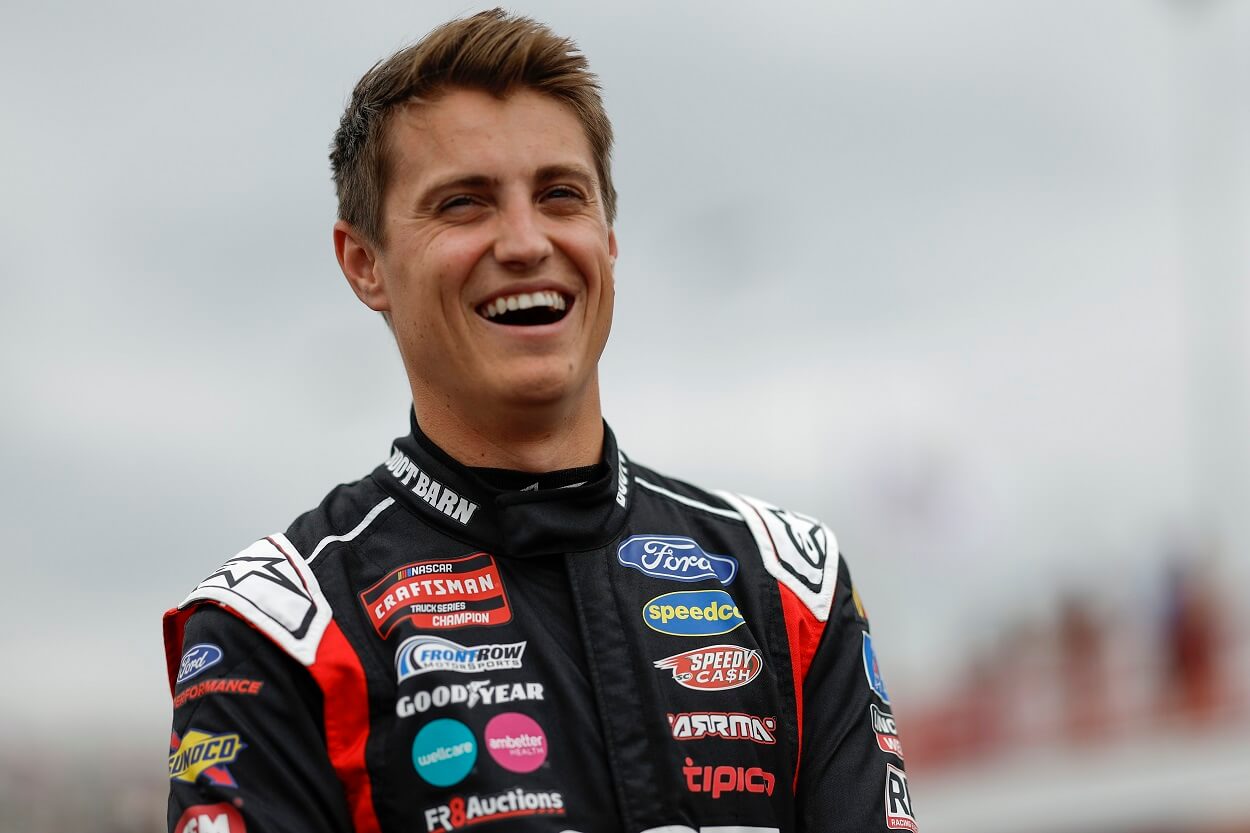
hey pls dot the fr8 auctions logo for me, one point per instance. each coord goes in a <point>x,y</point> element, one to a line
<point>898,815</point>
<point>461,811</point>
<point>210,818</point>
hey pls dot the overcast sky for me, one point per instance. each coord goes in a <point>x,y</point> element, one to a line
<point>967,280</point>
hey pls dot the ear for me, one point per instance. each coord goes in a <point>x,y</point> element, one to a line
<point>612,245</point>
<point>359,262</point>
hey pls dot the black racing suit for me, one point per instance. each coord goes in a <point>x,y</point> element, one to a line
<point>428,651</point>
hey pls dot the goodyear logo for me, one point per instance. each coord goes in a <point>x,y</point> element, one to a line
<point>692,613</point>
<point>200,753</point>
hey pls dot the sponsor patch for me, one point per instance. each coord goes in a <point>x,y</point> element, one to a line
<point>886,731</point>
<point>197,660</point>
<point>210,818</point>
<point>898,815</point>
<point>676,558</point>
<point>203,755</point>
<point>438,496</point>
<point>872,670</point>
<point>419,654</point>
<point>443,752</point>
<point>726,725</point>
<point>692,613</point>
<point>715,668</point>
<point>516,742</point>
<point>439,595</point>
<point>225,685</point>
<point>462,811</point>
<point>470,694</point>
<point>719,780</point>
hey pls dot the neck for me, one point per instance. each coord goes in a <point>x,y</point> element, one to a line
<point>525,438</point>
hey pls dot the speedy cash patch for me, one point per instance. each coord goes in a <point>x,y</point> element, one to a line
<point>439,595</point>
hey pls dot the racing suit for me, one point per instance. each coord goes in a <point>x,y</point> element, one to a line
<point>428,651</point>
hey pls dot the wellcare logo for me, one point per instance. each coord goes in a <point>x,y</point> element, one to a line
<point>197,659</point>
<point>715,668</point>
<point>419,654</point>
<point>692,613</point>
<point>677,558</point>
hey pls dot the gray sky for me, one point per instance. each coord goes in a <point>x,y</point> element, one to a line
<point>967,280</point>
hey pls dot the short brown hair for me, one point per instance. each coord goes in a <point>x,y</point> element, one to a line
<point>491,51</point>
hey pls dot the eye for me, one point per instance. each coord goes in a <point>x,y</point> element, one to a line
<point>562,192</point>
<point>457,204</point>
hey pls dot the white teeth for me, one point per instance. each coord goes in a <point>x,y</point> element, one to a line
<point>527,300</point>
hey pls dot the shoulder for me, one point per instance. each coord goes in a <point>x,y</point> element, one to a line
<point>272,584</point>
<point>799,551</point>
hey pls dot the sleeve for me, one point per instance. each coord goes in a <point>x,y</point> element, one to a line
<point>851,777</point>
<point>247,750</point>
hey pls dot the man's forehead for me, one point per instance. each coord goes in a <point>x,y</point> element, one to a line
<point>470,133</point>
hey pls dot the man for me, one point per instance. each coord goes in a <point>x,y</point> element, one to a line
<point>509,621</point>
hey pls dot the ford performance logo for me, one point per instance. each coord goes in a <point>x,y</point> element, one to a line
<point>676,558</point>
<point>692,613</point>
<point>197,659</point>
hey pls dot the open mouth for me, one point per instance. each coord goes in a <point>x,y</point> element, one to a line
<point>526,309</point>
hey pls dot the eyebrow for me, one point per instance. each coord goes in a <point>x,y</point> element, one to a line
<point>545,174</point>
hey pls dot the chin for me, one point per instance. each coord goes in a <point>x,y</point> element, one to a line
<point>537,386</point>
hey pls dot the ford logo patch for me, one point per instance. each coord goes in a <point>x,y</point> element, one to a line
<point>692,613</point>
<point>677,558</point>
<point>198,658</point>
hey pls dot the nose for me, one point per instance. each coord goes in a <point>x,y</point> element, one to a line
<point>520,242</point>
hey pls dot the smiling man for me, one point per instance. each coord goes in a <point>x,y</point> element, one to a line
<point>509,622</point>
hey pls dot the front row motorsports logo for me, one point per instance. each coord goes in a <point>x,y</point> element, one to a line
<point>715,668</point>
<point>439,595</point>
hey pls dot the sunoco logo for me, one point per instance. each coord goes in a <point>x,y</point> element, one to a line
<point>677,558</point>
<point>715,668</point>
<point>419,654</point>
<point>202,754</point>
<point>196,660</point>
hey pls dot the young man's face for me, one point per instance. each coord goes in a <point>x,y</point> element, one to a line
<point>496,268</point>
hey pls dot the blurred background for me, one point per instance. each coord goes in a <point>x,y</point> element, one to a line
<point>967,280</point>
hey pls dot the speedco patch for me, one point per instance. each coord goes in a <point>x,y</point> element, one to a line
<point>692,613</point>
<point>468,695</point>
<point>439,595</point>
<point>727,725</point>
<point>724,779</point>
<point>203,755</point>
<point>714,668</point>
<point>898,815</point>
<point>419,654</point>
<point>460,811</point>
<point>675,557</point>
<point>886,731</point>
<point>210,818</point>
